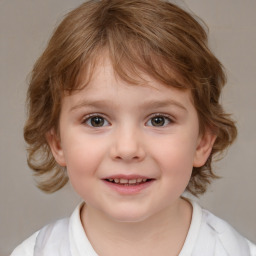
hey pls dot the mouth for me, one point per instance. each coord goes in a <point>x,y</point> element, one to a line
<point>128,182</point>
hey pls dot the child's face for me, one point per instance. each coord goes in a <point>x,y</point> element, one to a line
<point>112,133</point>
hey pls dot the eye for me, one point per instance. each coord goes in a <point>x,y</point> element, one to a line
<point>159,121</point>
<point>96,121</point>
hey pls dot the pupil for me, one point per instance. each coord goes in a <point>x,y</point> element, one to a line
<point>97,121</point>
<point>158,121</point>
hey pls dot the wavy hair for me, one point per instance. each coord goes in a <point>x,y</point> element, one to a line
<point>141,36</point>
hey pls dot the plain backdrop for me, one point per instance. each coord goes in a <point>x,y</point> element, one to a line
<point>25,27</point>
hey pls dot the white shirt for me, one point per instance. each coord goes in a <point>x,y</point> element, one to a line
<point>208,235</point>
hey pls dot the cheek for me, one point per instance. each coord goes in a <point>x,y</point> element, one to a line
<point>83,157</point>
<point>176,170</point>
<point>176,153</point>
<point>82,165</point>
<point>175,158</point>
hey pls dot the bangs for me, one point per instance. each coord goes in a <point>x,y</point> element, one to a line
<point>132,63</point>
<point>132,60</point>
<point>137,41</point>
<point>136,58</point>
<point>149,39</point>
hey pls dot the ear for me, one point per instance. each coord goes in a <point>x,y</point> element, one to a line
<point>55,144</point>
<point>204,148</point>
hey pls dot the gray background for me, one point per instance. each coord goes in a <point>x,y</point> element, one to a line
<point>25,27</point>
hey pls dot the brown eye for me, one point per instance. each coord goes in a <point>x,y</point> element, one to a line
<point>159,121</point>
<point>96,121</point>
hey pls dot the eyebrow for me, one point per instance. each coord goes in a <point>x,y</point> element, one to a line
<point>94,103</point>
<point>146,104</point>
<point>164,103</point>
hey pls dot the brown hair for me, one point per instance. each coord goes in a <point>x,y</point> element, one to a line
<point>141,36</point>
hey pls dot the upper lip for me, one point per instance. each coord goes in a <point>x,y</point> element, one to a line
<point>127,177</point>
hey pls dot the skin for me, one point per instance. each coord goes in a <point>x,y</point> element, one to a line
<point>148,130</point>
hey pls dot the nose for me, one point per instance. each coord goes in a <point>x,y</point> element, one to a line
<point>127,145</point>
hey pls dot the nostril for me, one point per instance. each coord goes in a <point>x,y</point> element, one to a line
<point>125,148</point>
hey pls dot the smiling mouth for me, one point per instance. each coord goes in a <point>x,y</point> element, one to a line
<point>128,182</point>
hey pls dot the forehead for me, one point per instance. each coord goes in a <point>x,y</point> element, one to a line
<point>133,71</point>
<point>105,84</point>
<point>105,77</point>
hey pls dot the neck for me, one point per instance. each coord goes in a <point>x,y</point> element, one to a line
<point>161,234</point>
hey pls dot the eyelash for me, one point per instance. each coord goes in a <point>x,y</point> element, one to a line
<point>164,116</point>
<point>88,119</point>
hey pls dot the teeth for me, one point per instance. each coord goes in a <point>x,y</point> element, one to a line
<point>123,181</point>
<point>126,181</point>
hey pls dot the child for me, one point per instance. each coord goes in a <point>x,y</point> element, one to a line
<point>124,103</point>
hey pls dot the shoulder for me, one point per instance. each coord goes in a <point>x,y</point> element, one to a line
<point>38,240</point>
<point>26,248</point>
<point>225,236</point>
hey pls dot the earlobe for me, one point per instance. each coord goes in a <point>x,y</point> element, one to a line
<point>204,148</point>
<point>55,145</point>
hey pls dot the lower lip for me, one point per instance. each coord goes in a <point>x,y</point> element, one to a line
<point>128,189</point>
